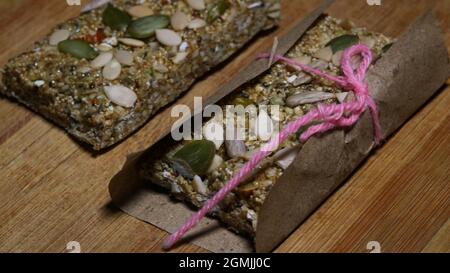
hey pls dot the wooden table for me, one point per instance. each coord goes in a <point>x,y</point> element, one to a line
<point>53,191</point>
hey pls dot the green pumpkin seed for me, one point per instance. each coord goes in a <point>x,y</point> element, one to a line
<point>78,49</point>
<point>116,18</point>
<point>387,47</point>
<point>198,155</point>
<point>242,101</point>
<point>343,42</point>
<point>145,27</point>
<point>219,8</point>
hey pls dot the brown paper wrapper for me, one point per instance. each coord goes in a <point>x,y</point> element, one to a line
<point>404,79</point>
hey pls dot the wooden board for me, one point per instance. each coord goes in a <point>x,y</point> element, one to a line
<point>53,191</point>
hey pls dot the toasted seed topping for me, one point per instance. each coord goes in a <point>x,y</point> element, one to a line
<point>168,37</point>
<point>112,70</point>
<point>102,59</point>
<point>179,20</point>
<point>140,11</point>
<point>121,95</point>
<point>196,4</point>
<point>59,36</point>
<point>131,42</point>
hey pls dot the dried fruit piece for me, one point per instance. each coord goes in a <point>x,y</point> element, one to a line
<point>198,155</point>
<point>343,42</point>
<point>145,27</point>
<point>116,18</point>
<point>78,49</point>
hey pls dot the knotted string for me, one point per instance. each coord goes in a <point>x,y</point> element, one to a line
<point>330,116</point>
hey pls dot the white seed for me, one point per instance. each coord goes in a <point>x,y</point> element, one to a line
<point>324,54</point>
<point>302,78</point>
<point>214,131</point>
<point>286,156</point>
<point>140,11</point>
<point>175,188</point>
<point>183,47</point>
<point>216,163</point>
<point>180,57</point>
<point>121,95</point>
<point>112,70</point>
<point>197,23</point>
<point>308,97</point>
<point>197,4</point>
<point>336,59</point>
<point>265,126</point>
<point>291,79</point>
<point>341,97</point>
<point>198,185</point>
<point>179,20</point>
<point>274,15</point>
<point>102,59</point>
<point>168,37</point>
<point>84,69</point>
<point>236,148</point>
<point>124,57</point>
<point>104,47</point>
<point>131,42</point>
<point>59,36</point>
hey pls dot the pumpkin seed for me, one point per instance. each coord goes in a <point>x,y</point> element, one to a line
<point>387,47</point>
<point>116,18</point>
<point>145,27</point>
<point>78,49</point>
<point>217,10</point>
<point>343,42</point>
<point>198,155</point>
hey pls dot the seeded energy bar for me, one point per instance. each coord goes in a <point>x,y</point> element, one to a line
<point>195,170</point>
<point>104,74</point>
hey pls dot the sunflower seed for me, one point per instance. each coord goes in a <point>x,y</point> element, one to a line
<point>265,126</point>
<point>102,59</point>
<point>104,47</point>
<point>198,185</point>
<point>179,20</point>
<point>308,97</point>
<point>112,70</point>
<point>216,163</point>
<point>121,95</point>
<point>214,131</point>
<point>341,97</point>
<point>124,57</point>
<point>131,42</point>
<point>168,37</point>
<point>286,156</point>
<point>140,11</point>
<point>180,57</point>
<point>336,59</point>
<point>324,54</point>
<point>197,23</point>
<point>196,4</point>
<point>302,78</point>
<point>59,36</point>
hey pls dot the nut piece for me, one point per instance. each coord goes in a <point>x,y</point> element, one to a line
<point>179,20</point>
<point>196,4</point>
<point>59,36</point>
<point>168,37</point>
<point>121,95</point>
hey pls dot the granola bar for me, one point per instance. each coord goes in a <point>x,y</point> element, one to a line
<point>295,93</point>
<point>104,74</point>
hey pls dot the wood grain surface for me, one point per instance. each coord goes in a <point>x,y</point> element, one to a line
<point>54,191</point>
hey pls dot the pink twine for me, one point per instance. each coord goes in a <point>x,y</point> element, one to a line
<point>331,116</point>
